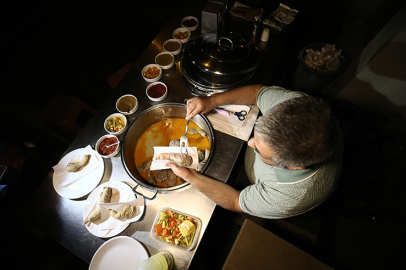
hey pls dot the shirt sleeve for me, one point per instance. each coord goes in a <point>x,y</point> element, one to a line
<point>270,96</point>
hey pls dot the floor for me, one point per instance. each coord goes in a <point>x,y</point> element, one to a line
<point>55,47</point>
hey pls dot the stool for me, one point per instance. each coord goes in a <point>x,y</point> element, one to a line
<point>67,114</point>
<point>114,79</point>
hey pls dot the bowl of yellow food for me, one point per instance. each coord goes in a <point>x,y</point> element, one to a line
<point>165,60</point>
<point>182,34</point>
<point>127,104</point>
<point>173,46</point>
<point>115,124</point>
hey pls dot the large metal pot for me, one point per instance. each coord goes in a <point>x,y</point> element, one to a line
<point>220,64</point>
<point>140,125</point>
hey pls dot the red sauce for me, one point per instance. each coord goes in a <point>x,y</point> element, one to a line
<point>189,22</point>
<point>156,91</point>
<point>107,151</point>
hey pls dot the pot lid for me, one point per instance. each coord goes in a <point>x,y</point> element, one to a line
<point>228,55</point>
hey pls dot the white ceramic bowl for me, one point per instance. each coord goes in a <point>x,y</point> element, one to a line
<point>151,66</point>
<point>174,52</point>
<point>116,115</point>
<point>154,96</point>
<point>121,99</point>
<point>191,28</point>
<point>164,54</point>
<point>102,138</point>
<point>182,30</point>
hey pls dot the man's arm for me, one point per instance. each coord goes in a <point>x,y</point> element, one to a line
<point>219,192</point>
<point>243,95</point>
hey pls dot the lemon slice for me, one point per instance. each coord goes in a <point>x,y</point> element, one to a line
<point>186,228</point>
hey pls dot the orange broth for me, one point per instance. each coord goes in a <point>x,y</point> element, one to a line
<point>160,134</point>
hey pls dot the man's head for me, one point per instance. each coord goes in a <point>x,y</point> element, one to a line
<point>296,133</point>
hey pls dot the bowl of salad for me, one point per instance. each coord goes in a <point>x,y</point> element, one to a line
<point>176,228</point>
<point>182,34</point>
<point>151,72</point>
<point>115,124</point>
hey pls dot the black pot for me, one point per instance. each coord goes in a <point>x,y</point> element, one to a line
<point>226,62</point>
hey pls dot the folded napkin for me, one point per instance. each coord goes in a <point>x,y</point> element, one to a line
<point>160,164</point>
<point>66,178</point>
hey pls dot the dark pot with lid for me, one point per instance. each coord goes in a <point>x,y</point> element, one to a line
<point>222,63</point>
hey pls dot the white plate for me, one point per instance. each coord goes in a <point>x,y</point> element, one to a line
<point>108,227</point>
<point>121,252</point>
<point>84,185</point>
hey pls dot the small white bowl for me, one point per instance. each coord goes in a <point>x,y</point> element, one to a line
<point>163,54</point>
<point>191,28</point>
<point>102,138</point>
<point>155,97</point>
<point>151,66</point>
<point>116,115</point>
<point>183,30</point>
<point>175,52</point>
<point>125,99</point>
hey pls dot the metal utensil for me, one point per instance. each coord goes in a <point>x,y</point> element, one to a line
<point>107,146</point>
<point>184,140</point>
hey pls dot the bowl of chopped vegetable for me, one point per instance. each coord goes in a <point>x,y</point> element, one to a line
<point>182,34</point>
<point>115,124</point>
<point>190,23</point>
<point>176,228</point>
<point>151,72</point>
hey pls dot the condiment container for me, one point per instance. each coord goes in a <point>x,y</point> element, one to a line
<point>155,67</point>
<point>122,116</point>
<point>265,35</point>
<point>110,153</point>
<point>165,60</point>
<point>190,23</point>
<point>157,91</point>
<point>173,46</point>
<point>186,33</point>
<point>127,104</point>
<point>160,261</point>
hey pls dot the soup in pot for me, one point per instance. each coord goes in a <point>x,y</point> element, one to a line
<point>160,134</point>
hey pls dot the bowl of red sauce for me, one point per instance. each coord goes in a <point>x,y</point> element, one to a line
<point>157,91</point>
<point>190,23</point>
<point>105,141</point>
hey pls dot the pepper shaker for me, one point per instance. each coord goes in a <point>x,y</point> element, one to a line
<point>265,35</point>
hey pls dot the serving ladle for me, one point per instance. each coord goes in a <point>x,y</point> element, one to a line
<point>107,146</point>
<point>184,140</point>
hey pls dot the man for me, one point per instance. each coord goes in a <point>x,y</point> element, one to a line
<point>293,160</point>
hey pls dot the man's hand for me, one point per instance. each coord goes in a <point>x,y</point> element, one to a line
<point>184,173</point>
<point>198,105</point>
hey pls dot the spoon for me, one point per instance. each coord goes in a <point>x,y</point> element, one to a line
<point>107,146</point>
<point>184,140</point>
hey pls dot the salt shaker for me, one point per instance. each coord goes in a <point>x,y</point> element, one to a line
<point>265,35</point>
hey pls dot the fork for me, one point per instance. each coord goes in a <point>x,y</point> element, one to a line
<point>184,140</point>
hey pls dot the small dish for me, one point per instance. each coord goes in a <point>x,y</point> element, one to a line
<point>197,222</point>
<point>157,91</point>
<point>151,72</point>
<point>173,46</point>
<point>117,121</point>
<point>165,60</point>
<point>107,140</point>
<point>190,23</point>
<point>127,104</point>
<point>182,34</point>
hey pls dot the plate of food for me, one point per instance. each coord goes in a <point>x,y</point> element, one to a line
<point>124,251</point>
<point>78,173</point>
<point>110,209</point>
<point>176,228</point>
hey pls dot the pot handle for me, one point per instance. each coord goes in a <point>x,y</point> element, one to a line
<point>140,194</point>
<point>225,46</point>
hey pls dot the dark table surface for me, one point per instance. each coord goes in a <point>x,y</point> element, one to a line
<point>61,218</point>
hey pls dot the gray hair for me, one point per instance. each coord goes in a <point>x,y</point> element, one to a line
<point>301,131</point>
